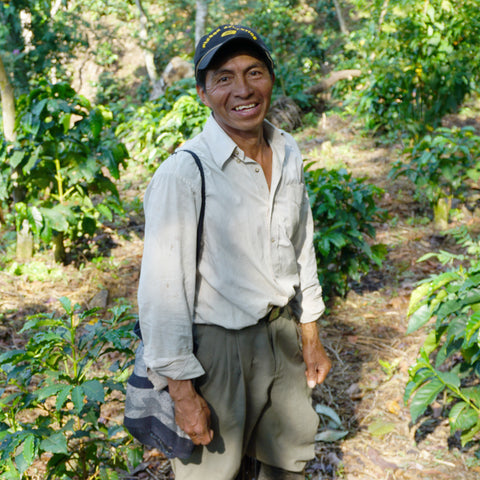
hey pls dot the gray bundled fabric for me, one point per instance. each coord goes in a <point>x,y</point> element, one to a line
<point>150,413</point>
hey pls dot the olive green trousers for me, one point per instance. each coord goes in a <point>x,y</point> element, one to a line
<point>261,405</point>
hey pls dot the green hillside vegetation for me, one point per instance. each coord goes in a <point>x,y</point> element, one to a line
<point>383,99</point>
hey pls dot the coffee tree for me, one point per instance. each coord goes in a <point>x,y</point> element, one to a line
<point>59,173</point>
<point>420,61</point>
<point>345,215</point>
<point>58,392</point>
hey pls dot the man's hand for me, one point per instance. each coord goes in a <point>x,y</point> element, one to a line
<point>191,411</point>
<point>314,355</point>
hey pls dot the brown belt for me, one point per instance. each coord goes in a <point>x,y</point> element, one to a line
<point>275,312</point>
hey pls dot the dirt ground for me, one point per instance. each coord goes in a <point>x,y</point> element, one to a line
<point>364,333</point>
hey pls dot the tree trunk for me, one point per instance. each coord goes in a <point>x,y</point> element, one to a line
<point>334,77</point>
<point>341,21</point>
<point>383,13</point>
<point>24,243</point>
<point>441,213</point>
<point>156,82</point>
<point>59,247</point>
<point>8,104</point>
<point>7,98</point>
<point>200,19</point>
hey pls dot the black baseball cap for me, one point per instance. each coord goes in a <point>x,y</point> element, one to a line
<point>210,43</point>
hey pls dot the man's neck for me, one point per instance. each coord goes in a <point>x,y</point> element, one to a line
<point>258,149</point>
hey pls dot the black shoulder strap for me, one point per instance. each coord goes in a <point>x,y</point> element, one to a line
<point>136,328</point>
<point>202,208</point>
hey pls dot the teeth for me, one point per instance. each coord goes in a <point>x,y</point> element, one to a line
<point>244,107</point>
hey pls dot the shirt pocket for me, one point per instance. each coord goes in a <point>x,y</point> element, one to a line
<point>290,209</point>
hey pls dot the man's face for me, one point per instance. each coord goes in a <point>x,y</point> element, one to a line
<point>238,90</point>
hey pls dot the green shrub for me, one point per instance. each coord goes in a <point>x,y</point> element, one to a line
<point>419,58</point>
<point>344,213</point>
<point>448,368</point>
<point>55,391</point>
<point>153,130</point>
<point>442,165</point>
<point>59,172</point>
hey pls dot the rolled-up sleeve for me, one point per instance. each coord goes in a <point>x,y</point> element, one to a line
<point>166,293</point>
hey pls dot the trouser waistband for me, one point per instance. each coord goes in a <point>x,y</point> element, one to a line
<point>275,312</point>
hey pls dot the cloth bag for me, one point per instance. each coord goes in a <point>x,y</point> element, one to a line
<point>150,413</point>
<point>149,410</point>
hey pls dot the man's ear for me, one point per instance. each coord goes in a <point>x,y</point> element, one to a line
<point>201,94</point>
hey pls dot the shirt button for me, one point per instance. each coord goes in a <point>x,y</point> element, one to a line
<point>238,160</point>
<point>257,169</point>
<point>273,240</point>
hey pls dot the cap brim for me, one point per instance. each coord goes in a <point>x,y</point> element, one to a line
<point>207,58</point>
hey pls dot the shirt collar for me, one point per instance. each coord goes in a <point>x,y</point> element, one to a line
<point>223,147</point>
<point>219,143</point>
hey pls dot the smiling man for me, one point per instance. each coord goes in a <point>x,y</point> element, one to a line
<point>235,333</point>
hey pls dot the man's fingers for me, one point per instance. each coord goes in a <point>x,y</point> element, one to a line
<point>203,439</point>
<point>316,374</point>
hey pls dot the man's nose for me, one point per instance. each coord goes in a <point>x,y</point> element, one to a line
<point>242,87</point>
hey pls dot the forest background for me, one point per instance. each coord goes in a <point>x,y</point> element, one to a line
<point>382,97</point>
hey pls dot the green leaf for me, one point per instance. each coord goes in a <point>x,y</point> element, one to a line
<point>96,123</point>
<point>470,434</point>
<point>330,435</point>
<point>135,455</point>
<point>63,396</point>
<point>93,389</point>
<point>39,106</point>
<point>89,225</point>
<point>66,304</point>
<point>379,428</point>
<point>473,394</point>
<point>16,158</point>
<point>462,417</point>
<point>56,218</point>
<point>417,296</point>
<point>55,443</point>
<point>419,318</point>
<point>27,453</point>
<point>423,397</point>
<point>46,392</point>
<point>431,342</point>
<point>105,211</point>
<point>450,379</point>
<point>456,410</point>
<point>77,398</point>
<point>329,412</point>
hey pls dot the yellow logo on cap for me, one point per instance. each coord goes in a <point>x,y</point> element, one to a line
<point>234,29</point>
<point>228,32</point>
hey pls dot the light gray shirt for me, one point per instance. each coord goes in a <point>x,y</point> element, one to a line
<point>257,246</point>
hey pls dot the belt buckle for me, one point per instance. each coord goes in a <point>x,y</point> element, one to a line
<point>274,313</point>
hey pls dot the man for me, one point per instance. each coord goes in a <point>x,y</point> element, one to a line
<point>223,331</point>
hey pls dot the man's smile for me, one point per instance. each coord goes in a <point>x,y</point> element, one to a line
<point>245,107</point>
